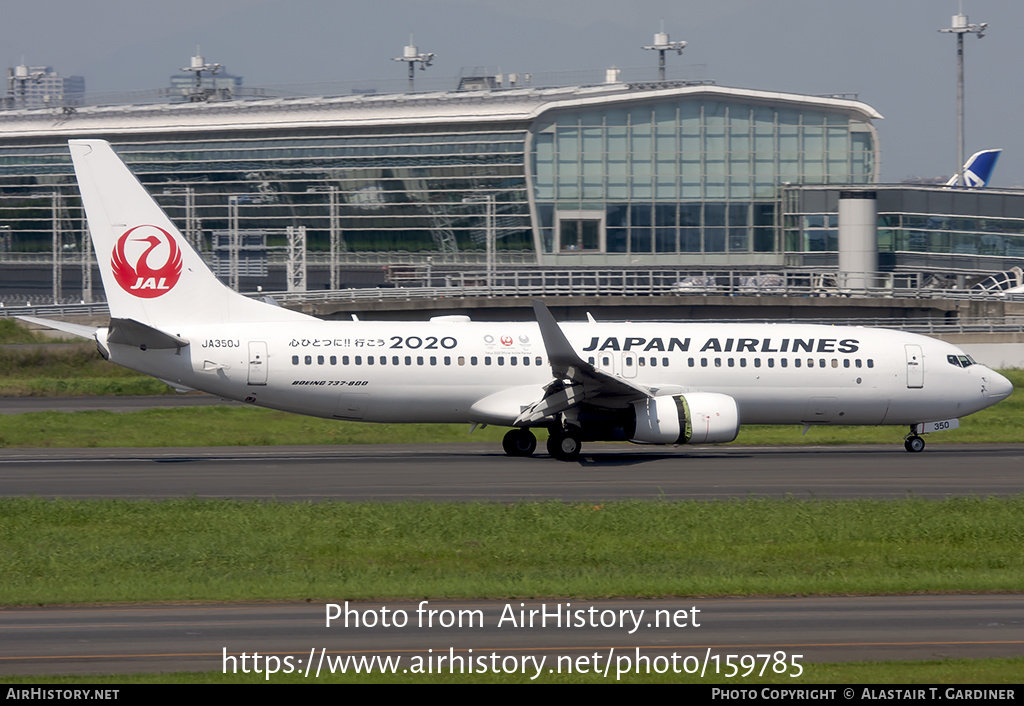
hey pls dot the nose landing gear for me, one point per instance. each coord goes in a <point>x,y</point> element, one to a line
<point>913,444</point>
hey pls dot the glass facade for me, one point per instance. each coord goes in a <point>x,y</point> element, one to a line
<point>685,175</point>
<point>672,174</point>
<point>916,225</point>
<point>407,190</point>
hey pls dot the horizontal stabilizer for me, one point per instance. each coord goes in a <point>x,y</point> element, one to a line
<point>128,332</point>
<point>73,329</point>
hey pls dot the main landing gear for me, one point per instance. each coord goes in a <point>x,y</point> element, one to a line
<point>519,442</point>
<point>565,444</point>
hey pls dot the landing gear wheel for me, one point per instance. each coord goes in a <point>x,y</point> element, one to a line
<point>519,442</point>
<point>565,445</point>
<point>914,444</point>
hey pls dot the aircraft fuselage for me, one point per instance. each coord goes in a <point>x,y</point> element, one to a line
<point>487,372</point>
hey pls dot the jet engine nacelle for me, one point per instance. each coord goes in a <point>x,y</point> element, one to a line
<point>693,418</point>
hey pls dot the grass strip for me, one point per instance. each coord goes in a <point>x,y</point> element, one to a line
<point>82,387</point>
<point>930,672</point>
<point>68,370</point>
<point>118,551</point>
<point>13,331</point>
<point>213,426</point>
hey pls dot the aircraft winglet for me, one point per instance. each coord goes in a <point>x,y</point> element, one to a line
<point>560,352</point>
<point>575,379</point>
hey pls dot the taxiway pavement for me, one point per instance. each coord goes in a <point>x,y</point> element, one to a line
<point>124,639</point>
<point>475,472</point>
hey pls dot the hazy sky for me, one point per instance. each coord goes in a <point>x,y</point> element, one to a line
<point>888,51</point>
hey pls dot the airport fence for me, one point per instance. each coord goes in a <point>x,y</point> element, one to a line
<point>426,282</point>
<point>423,281</point>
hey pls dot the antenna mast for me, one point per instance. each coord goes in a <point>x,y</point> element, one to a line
<point>960,28</point>
<point>412,56</point>
<point>198,66</point>
<point>661,45</point>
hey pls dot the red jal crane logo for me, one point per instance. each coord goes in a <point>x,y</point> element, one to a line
<point>144,279</point>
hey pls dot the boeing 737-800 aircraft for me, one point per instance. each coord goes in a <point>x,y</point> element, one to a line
<point>650,383</point>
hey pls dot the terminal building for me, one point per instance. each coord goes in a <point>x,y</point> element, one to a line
<point>681,174</point>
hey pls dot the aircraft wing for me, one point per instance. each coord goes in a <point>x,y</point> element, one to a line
<point>575,380</point>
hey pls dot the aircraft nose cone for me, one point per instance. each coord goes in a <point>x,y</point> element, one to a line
<point>999,387</point>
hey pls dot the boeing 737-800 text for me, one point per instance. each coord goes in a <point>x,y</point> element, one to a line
<point>650,383</point>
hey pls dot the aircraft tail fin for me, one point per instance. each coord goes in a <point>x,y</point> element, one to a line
<point>151,274</point>
<point>978,169</point>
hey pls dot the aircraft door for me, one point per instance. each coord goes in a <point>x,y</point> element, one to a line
<point>915,366</point>
<point>629,364</point>
<point>257,363</point>
<point>606,361</point>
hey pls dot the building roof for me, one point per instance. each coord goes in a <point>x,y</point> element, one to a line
<point>378,110</point>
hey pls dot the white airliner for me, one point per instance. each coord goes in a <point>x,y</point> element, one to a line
<point>650,383</point>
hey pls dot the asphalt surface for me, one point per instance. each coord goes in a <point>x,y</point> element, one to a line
<point>701,633</point>
<point>130,638</point>
<point>473,471</point>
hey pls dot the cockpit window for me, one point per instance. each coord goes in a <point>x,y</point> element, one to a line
<point>961,361</point>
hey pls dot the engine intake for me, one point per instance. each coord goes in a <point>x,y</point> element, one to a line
<point>692,418</point>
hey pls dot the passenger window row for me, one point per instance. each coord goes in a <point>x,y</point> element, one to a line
<point>630,361</point>
<point>782,362</point>
<point>641,361</point>
<point>409,360</point>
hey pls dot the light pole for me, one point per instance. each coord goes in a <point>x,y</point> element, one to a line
<point>198,66</point>
<point>412,56</point>
<point>662,45</point>
<point>960,28</point>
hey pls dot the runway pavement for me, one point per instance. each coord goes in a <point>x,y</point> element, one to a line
<point>115,639</point>
<point>784,634</point>
<point>480,472</point>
